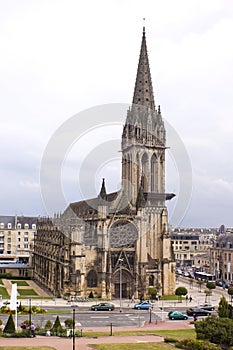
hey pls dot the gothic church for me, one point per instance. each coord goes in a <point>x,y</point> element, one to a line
<point>117,242</point>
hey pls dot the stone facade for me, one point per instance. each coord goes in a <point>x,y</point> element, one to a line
<point>119,239</point>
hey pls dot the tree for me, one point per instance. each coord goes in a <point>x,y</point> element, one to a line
<point>57,326</point>
<point>223,308</point>
<point>48,325</point>
<point>69,322</point>
<point>200,283</point>
<point>208,293</point>
<point>10,325</point>
<point>181,291</point>
<point>230,292</point>
<point>216,330</point>
<point>152,292</point>
<point>210,285</point>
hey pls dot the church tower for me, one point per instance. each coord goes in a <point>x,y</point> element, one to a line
<point>144,137</point>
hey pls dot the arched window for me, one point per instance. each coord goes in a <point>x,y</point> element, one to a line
<point>91,279</point>
<point>151,280</point>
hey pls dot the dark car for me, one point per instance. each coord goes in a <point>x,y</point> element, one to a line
<point>198,311</point>
<point>144,305</point>
<point>176,315</point>
<point>207,306</point>
<point>103,307</point>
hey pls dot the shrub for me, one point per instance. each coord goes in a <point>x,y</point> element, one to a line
<point>48,325</point>
<point>57,328</point>
<point>69,323</point>
<point>91,296</point>
<point>192,344</point>
<point>10,325</point>
<point>223,308</point>
<point>152,292</point>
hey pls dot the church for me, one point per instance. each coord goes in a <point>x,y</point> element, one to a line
<point>117,244</point>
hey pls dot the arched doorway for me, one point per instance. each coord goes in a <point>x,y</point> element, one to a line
<point>127,283</point>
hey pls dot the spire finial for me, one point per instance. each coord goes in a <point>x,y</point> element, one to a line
<point>144,29</point>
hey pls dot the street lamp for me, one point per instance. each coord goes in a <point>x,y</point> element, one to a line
<point>30,311</point>
<point>120,260</point>
<point>73,329</point>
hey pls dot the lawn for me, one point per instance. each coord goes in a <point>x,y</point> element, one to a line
<point>21,283</point>
<point>4,293</point>
<point>26,292</point>
<point>177,334</point>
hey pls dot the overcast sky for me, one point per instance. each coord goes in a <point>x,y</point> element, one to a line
<point>59,58</point>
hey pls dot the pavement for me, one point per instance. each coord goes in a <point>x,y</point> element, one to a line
<point>84,343</point>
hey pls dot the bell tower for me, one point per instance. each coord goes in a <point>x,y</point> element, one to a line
<point>144,137</point>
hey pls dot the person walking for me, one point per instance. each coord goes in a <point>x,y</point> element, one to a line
<point>32,329</point>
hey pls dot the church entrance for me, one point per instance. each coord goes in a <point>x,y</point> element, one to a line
<point>127,284</point>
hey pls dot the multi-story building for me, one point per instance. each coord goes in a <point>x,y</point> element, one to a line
<point>221,257</point>
<point>121,240</point>
<point>16,242</point>
<point>188,244</point>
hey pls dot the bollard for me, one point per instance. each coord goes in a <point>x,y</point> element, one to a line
<point>110,329</point>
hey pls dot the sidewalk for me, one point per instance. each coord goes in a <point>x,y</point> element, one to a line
<point>83,343</point>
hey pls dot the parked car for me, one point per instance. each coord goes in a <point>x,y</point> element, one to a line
<point>176,315</point>
<point>103,307</point>
<point>198,311</point>
<point>144,305</point>
<point>207,306</point>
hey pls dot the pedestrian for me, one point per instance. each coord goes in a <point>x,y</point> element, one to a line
<point>186,297</point>
<point>190,299</point>
<point>32,329</point>
<point>48,333</point>
<point>195,317</point>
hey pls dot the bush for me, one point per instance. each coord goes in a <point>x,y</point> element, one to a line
<point>192,344</point>
<point>223,308</point>
<point>170,340</point>
<point>10,325</point>
<point>48,325</point>
<point>152,292</point>
<point>69,323</point>
<point>91,296</point>
<point>57,328</point>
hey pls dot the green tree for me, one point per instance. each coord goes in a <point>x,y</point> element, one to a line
<point>10,325</point>
<point>216,330</point>
<point>210,285</point>
<point>48,325</point>
<point>223,308</point>
<point>152,292</point>
<point>57,328</point>
<point>208,293</point>
<point>181,291</point>
<point>69,322</point>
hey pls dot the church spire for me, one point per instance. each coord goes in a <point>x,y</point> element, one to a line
<point>103,194</point>
<point>143,91</point>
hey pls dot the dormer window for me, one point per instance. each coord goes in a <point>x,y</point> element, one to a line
<point>2,225</point>
<point>26,226</point>
<point>9,225</point>
<point>34,226</point>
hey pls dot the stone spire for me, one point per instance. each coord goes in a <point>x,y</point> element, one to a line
<point>143,91</point>
<point>103,194</point>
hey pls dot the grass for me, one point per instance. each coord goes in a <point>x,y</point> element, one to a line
<point>21,283</point>
<point>23,292</point>
<point>133,346</point>
<point>171,297</point>
<point>4,293</point>
<point>1,281</point>
<point>177,334</point>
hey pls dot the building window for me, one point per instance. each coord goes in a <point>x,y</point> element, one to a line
<point>26,246</point>
<point>9,225</point>
<point>91,279</point>
<point>18,246</point>
<point>18,225</point>
<point>26,226</point>
<point>18,239</point>
<point>25,239</point>
<point>151,280</point>
<point>25,234</point>
<point>8,239</point>
<point>34,226</point>
<point>2,225</point>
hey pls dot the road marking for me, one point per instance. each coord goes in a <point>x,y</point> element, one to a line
<point>99,317</point>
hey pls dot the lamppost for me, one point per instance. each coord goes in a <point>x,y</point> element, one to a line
<point>30,310</point>
<point>73,330</point>
<point>120,260</point>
